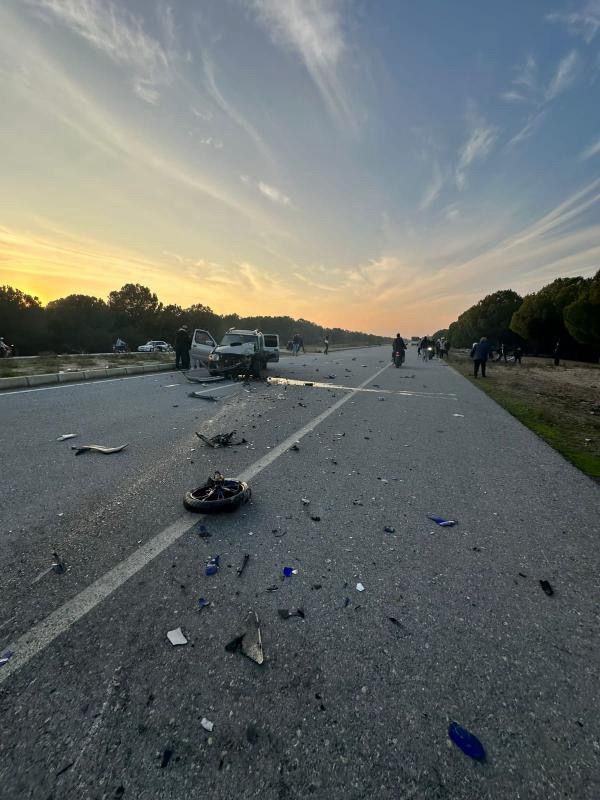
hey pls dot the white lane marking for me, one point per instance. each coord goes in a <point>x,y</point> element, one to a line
<point>41,635</point>
<point>9,392</point>
<point>213,389</point>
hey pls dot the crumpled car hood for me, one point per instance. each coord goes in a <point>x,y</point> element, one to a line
<point>246,349</point>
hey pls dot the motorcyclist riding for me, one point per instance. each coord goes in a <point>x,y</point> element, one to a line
<point>398,346</point>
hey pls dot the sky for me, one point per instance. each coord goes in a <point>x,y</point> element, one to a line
<point>377,165</point>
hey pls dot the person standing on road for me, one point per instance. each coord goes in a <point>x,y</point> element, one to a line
<point>326,344</point>
<point>480,354</point>
<point>183,342</point>
<point>296,344</point>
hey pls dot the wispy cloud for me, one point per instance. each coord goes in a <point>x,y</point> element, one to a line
<point>564,76</point>
<point>432,192</point>
<point>477,147</point>
<point>592,150</point>
<point>584,23</point>
<point>229,109</point>
<point>532,123</point>
<point>312,29</point>
<point>118,34</point>
<point>275,195</point>
<point>201,114</point>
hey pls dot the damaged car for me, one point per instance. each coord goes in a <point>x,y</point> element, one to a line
<point>243,351</point>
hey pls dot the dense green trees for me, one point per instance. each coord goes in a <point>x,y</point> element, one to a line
<point>489,317</point>
<point>80,323</point>
<point>566,310</point>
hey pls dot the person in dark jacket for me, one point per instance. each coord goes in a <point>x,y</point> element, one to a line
<point>183,342</point>
<point>480,354</point>
<point>398,346</point>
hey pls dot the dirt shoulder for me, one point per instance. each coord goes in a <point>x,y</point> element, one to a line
<point>560,404</point>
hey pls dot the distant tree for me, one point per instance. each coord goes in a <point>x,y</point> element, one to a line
<point>539,319</point>
<point>22,321</point>
<point>582,316</point>
<point>135,313</point>
<point>489,317</point>
<point>79,323</point>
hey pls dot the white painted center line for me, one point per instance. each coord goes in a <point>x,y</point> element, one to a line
<point>45,632</point>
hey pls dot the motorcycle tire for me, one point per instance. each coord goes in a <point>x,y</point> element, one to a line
<point>213,497</point>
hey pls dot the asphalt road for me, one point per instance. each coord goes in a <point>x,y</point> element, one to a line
<point>96,703</point>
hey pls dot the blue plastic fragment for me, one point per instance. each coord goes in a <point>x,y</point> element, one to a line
<point>289,571</point>
<point>203,603</point>
<point>212,566</point>
<point>5,657</point>
<point>445,523</point>
<point>468,743</point>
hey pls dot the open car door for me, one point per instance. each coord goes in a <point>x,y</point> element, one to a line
<point>272,346</point>
<point>203,343</point>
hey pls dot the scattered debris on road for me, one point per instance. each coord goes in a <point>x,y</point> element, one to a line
<point>166,757</point>
<point>212,566</point>
<point>458,415</point>
<point>547,588</point>
<point>243,565</point>
<point>315,518</point>
<point>286,613</point>
<point>217,494</point>
<point>6,656</point>
<point>289,571</point>
<point>389,529</point>
<point>97,448</point>
<point>305,501</point>
<point>203,396</point>
<point>221,439</point>
<point>207,379</point>
<point>249,643</point>
<point>468,743</point>
<point>207,724</point>
<point>295,448</point>
<point>443,523</point>
<point>360,587</point>
<point>176,637</point>
<point>203,603</point>
<point>201,529</point>
<point>66,436</point>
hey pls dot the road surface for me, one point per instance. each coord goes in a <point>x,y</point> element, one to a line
<point>96,703</point>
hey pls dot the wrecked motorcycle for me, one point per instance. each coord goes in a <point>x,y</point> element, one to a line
<point>217,494</point>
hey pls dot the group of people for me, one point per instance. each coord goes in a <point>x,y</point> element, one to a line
<point>482,351</point>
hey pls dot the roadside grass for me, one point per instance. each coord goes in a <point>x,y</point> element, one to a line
<point>41,365</point>
<point>560,404</point>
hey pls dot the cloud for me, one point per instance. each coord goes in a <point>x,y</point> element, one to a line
<point>477,147</point>
<point>211,142</point>
<point>513,97</point>
<point>313,30</point>
<point>432,192</point>
<point>229,110</point>
<point>530,126</point>
<point>205,115</point>
<point>564,76</point>
<point>118,34</point>
<point>592,150</point>
<point>273,194</point>
<point>584,23</point>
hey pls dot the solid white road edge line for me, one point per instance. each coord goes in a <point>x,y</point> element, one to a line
<point>41,635</point>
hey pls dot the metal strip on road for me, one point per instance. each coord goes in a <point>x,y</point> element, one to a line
<point>45,632</point>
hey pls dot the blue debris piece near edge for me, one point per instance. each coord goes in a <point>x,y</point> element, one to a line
<point>468,743</point>
<point>5,657</point>
<point>445,523</point>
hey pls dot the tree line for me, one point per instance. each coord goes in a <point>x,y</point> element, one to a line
<point>565,311</point>
<point>80,323</point>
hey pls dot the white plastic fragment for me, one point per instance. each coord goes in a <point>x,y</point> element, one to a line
<point>207,724</point>
<point>360,587</point>
<point>66,436</point>
<point>458,415</point>
<point>306,501</point>
<point>176,637</point>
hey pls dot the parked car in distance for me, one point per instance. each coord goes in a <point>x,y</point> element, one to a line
<point>155,346</point>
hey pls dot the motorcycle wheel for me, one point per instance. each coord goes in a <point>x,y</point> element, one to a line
<point>216,496</point>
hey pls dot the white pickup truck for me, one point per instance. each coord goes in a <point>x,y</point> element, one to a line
<point>240,351</point>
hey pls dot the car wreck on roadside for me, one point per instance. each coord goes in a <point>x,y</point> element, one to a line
<point>243,352</point>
